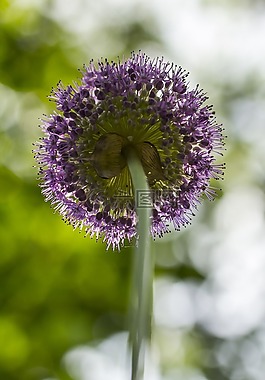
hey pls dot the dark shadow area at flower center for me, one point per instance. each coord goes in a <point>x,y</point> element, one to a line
<point>109,157</point>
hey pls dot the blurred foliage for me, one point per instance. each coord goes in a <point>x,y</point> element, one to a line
<point>55,285</point>
<point>32,52</point>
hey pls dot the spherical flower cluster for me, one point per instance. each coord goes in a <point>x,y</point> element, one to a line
<point>141,104</point>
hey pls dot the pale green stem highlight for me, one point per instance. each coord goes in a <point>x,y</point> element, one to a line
<point>142,287</point>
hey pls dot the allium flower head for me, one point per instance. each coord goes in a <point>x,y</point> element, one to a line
<point>140,103</point>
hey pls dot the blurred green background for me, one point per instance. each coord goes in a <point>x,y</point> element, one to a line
<point>63,297</point>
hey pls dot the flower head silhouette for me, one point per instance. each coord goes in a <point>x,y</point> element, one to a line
<point>142,104</point>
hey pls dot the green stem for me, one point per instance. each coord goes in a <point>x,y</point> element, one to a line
<point>142,287</point>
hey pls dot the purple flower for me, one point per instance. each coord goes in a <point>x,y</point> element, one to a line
<point>143,103</point>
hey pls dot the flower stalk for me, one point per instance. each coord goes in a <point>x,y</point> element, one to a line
<point>142,287</point>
